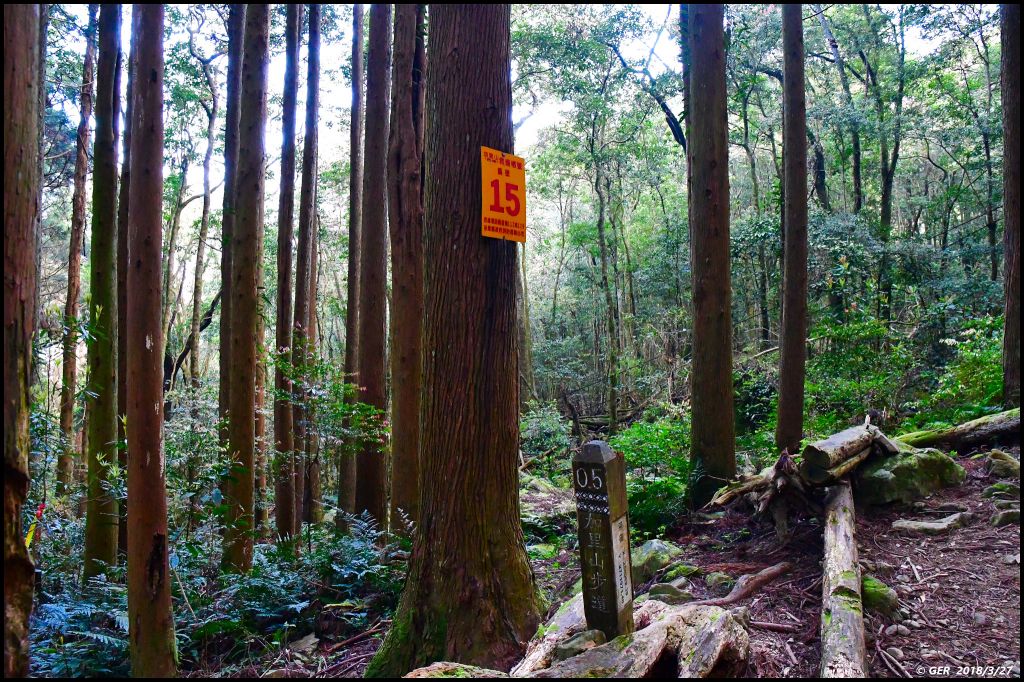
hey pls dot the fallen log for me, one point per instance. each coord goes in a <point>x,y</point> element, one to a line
<point>685,641</point>
<point>837,448</point>
<point>988,429</point>
<point>568,621</point>
<point>842,613</point>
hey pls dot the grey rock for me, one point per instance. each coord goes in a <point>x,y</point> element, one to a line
<point>895,652</point>
<point>720,582</point>
<point>943,525</point>
<point>1007,517</point>
<point>906,477</point>
<point>577,644</point>
<point>1003,465</point>
<point>877,596</point>
<point>651,557</point>
<point>670,594</point>
<point>1004,490</point>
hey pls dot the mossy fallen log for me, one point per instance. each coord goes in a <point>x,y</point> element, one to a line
<point>842,612</point>
<point>999,427</point>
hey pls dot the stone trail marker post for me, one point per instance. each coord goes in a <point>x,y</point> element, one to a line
<point>599,481</point>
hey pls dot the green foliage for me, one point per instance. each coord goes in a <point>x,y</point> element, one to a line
<point>975,376</point>
<point>862,365</point>
<point>543,432</point>
<point>81,632</point>
<point>657,461</point>
<point>971,384</point>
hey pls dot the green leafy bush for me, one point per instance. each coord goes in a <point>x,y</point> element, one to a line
<point>657,461</point>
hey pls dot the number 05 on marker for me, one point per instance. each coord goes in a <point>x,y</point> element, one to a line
<point>503,195</point>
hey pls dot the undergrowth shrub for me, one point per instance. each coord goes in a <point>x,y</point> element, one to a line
<point>657,463</point>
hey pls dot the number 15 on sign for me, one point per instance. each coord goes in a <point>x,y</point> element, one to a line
<point>503,195</point>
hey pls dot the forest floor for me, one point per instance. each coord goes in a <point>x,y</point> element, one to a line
<point>959,592</point>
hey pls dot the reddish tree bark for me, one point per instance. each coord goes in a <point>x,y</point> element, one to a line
<point>713,441</point>
<point>371,488</point>
<point>150,618</point>
<point>304,258</point>
<point>284,484</point>
<point>405,211</point>
<point>236,39</point>
<point>69,363</point>
<point>470,595</point>
<point>245,274</point>
<point>1010,26</point>
<point>21,211</point>
<point>312,509</point>
<point>346,454</point>
<point>793,341</point>
<point>122,301</point>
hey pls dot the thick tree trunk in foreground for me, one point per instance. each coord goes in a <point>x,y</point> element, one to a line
<point>793,342</point>
<point>842,619</point>
<point>150,618</point>
<point>405,208</point>
<point>304,259</point>
<point>284,485</point>
<point>713,455</point>
<point>245,273</point>
<point>236,39</point>
<point>485,611</point>
<point>21,210</point>
<point>346,453</point>
<point>1010,23</point>
<point>69,363</point>
<point>371,492</point>
<point>101,517</point>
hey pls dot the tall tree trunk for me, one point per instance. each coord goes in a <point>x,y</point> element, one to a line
<point>837,57</point>
<point>529,385</point>
<point>21,213</point>
<point>101,517</point>
<point>245,273</point>
<point>347,452</point>
<point>371,493</point>
<point>204,224</point>
<point>1010,26</point>
<point>304,260</point>
<point>405,209</point>
<point>485,611</point>
<point>69,364</point>
<point>284,483</point>
<point>150,617</point>
<point>712,451</point>
<point>170,302</point>
<point>260,456</point>
<point>312,509</point>
<point>236,40</point>
<point>122,301</point>
<point>793,341</point>
<point>611,306</point>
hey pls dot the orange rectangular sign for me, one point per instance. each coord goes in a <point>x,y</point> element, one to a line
<point>503,195</point>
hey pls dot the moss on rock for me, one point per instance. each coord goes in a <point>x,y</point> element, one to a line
<point>878,597</point>
<point>906,477</point>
